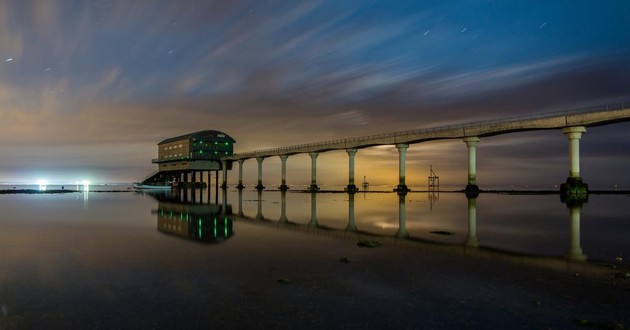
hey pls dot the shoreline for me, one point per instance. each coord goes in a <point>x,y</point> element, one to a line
<point>498,191</point>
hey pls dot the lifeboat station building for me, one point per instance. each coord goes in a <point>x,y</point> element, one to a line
<point>184,160</point>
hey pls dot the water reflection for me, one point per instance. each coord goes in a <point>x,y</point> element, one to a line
<point>575,250</point>
<point>322,213</point>
<point>184,213</point>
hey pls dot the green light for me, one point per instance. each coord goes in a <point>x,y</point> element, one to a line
<point>200,151</point>
<point>199,227</point>
<point>171,215</point>
<point>227,143</point>
<point>216,143</point>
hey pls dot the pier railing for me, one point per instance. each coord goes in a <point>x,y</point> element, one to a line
<point>289,149</point>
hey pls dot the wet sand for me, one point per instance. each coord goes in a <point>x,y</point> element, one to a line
<point>270,279</point>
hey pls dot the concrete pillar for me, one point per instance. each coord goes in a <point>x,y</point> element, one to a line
<point>402,157</point>
<point>574,184</point>
<point>313,186</point>
<point>574,134</point>
<point>224,184</point>
<point>240,174</point>
<point>472,239</point>
<point>471,143</point>
<point>260,186</point>
<point>402,217</point>
<point>283,184</point>
<point>351,186</point>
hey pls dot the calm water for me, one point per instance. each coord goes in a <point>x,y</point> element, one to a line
<point>111,245</point>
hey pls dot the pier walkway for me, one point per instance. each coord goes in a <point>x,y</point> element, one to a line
<point>572,122</point>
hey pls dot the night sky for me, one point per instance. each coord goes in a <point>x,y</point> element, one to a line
<point>88,88</point>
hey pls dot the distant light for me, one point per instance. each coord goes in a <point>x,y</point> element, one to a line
<point>8,60</point>
<point>42,184</point>
<point>86,185</point>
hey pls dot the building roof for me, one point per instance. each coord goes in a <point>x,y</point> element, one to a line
<point>210,135</point>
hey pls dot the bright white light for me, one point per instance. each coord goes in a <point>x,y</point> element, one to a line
<point>86,185</point>
<point>42,184</point>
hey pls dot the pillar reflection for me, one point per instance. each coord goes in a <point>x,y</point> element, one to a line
<point>240,203</point>
<point>402,226</point>
<point>259,213</point>
<point>351,224</point>
<point>283,207</point>
<point>574,251</point>
<point>472,240</point>
<point>313,222</point>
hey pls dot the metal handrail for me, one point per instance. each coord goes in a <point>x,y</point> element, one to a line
<point>602,108</point>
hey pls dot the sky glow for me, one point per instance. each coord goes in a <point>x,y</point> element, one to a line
<point>88,88</point>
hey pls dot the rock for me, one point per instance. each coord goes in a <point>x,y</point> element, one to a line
<point>369,244</point>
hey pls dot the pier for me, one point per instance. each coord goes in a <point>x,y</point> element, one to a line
<point>572,124</point>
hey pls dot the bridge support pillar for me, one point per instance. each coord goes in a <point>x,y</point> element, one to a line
<point>402,157</point>
<point>240,174</point>
<point>471,143</point>
<point>313,186</point>
<point>574,186</point>
<point>260,186</point>
<point>283,185</point>
<point>224,183</point>
<point>352,188</point>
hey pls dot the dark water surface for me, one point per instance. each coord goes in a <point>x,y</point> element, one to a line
<point>286,260</point>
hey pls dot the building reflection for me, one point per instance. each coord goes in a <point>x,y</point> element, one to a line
<point>202,222</point>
